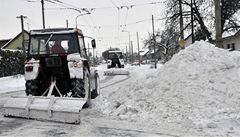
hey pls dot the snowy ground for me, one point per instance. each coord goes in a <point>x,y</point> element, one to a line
<point>194,94</point>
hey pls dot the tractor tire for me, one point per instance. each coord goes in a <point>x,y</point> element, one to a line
<point>96,91</point>
<point>31,88</point>
<point>80,86</point>
<point>87,88</point>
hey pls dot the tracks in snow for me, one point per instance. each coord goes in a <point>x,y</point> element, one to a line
<point>109,78</point>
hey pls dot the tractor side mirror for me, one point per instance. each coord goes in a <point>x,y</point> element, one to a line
<point>93,43</point>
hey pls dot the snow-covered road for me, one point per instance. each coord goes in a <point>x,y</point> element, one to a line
<point>93,123</point>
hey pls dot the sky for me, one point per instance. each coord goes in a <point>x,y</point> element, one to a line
<point>106,22</point>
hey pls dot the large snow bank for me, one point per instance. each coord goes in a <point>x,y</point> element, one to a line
<point>198,86</point>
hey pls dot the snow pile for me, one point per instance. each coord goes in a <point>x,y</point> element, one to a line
<point>199,85</point>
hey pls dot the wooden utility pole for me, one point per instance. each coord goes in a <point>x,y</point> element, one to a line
<point>23,38</point>
<point>43,15</point>
<point>139,61</point>
<point>192,22</point>
<point>181,20</point>
<point>131,51</point>
<point>218,24</point>
<point>126,55</point>
<point>154,42</point>
<point>67,23</point>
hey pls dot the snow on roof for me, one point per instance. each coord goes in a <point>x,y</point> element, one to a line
<point>114,51</point>
<point>55,31</point>
<point>228,34</point>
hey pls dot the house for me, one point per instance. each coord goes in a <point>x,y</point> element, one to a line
<point>3,42</point>
<point>16,43</point>
<point>188,40</point>
<point>231,41</point>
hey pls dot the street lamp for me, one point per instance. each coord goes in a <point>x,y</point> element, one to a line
<point>79,16</point>
<point>128,39</point>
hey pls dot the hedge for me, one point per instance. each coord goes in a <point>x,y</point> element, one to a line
<point>11,63</point>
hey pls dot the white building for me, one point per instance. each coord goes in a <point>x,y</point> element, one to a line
<point>232,41</point>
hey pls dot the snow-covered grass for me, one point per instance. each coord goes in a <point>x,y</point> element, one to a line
<point>198,88</point>
<point>12,83</point>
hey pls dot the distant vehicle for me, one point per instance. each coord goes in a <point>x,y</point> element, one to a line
<point>115,59</point>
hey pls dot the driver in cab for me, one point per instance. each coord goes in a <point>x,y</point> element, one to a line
<point>57,47</point>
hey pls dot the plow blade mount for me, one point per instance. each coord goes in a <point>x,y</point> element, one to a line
<point>60,109</point>
<point>111,72</point>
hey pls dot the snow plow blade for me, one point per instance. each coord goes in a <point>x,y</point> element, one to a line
<point>59,109</point>
<point>112,72</point>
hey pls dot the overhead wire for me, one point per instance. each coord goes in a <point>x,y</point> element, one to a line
<point>67,6</point>
<point>127,24</point>
<point>115,6</point>
<point>118,18</point>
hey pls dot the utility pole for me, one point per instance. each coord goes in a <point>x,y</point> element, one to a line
<point>43,16</point>
<point>181,20</point>
<point>154,47</point>
<point>23,38</point>
<point>138,50</point>
<point>79,16</point>
<point>131,51</point>
<point>129,40</point>
<point>193,39</point>
<point>218,24</point>
<point>67,23</point>
<point>126,54</point>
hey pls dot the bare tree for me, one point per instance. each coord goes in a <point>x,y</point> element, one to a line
<point>204,17</point>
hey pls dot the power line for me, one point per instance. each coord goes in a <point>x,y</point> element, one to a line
<point>127,24</point>
<point>113,7</point>
<point>68,6</point>
<point>114,4</point>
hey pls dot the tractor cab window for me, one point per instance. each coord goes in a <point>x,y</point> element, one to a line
<point>82,47</point>
<point>112,55</point>
<point>53,44</point>
<point>115,55</point>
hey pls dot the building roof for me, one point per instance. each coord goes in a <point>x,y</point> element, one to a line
<point>12,40</point>
<point>229,35</point>
<point>115,51</point>
<point>3,42</point>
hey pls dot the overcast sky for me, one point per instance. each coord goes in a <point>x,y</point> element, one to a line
<point>105,23</point>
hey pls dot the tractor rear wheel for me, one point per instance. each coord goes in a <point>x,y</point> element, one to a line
<point>78,88</point>
<point>81,89</point>
<point>31,88</point>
